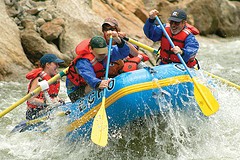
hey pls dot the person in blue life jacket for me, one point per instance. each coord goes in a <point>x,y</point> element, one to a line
<point>49,63</point>
<point>181,33</point>
<point>88,68</point>
<point>135,58</point>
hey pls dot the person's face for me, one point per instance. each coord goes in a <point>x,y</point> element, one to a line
<point>176,27</point>
<point>105,28</point>
<point>99,57</point>
<point>51,68</point>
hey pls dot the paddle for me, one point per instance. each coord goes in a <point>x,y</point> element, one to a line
<point>34,92</point>
<point>206,101</point>
<point>24,125</point>
<point>141,45</point>
<point>99,133</point>
<point>144,46</point>
<point>223,80</point>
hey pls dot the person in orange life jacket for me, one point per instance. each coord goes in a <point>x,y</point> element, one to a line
<point>128,64</point>
<point>181,35</point>
<point>88,68</point>
<point>38,77</point>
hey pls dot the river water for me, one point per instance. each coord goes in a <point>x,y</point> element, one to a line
<point>173,135</point>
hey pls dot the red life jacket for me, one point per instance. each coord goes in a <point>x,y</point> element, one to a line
<point>131,63</point>
<point>193,29</point>
<point>53,88</point>
<point>82,51</point>
<point>166,55</point>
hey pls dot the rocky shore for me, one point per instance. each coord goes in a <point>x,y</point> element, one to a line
<point>31,28</point>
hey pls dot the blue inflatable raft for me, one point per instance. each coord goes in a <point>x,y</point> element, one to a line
<point>130,96</point>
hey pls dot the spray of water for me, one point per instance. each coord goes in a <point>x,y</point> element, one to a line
<point>171,134</point>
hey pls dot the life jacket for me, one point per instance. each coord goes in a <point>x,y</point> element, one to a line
<point>53,88</point>
<point>131,63</point>
<point>82,51</point>
<point>193,29</point>
<point>166,55</point>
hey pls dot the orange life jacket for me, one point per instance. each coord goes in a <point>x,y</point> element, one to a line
<point>53,88</point>
<point>82,51</point>
<point>166,55</point>
<point>131,63</point>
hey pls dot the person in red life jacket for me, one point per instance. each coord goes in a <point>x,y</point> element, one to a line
<point>181,33</point>
<point>38,77</point>
<point>88,68</point>
<point>135,56</point>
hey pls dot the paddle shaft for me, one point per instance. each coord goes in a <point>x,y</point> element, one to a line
<point>108,63</point>
<point>34,92</point>
<point>223,80</point>
<point>25,124</point>
<point>141,45</point>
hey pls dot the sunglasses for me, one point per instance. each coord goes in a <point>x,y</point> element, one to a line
<point>105,29</point>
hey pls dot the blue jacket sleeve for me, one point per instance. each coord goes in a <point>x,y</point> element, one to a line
<point>190,48</point>
<point>85,69</point>
<point>152,31</point>
<point>119,51</point>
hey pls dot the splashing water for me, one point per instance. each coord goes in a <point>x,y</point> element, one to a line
<point>175,134</point>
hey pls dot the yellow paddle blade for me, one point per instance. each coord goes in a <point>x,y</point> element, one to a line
<point>99,133</point>
<point>206,101</point>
